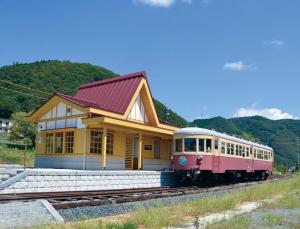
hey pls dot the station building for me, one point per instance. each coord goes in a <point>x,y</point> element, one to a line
<point>109,124</point>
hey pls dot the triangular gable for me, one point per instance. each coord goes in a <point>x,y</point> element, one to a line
<point>141,107</point>
<point>56,107</point>
<point>61,110</point>
<point>138,111</point>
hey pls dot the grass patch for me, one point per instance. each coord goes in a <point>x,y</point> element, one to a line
<point>238,222</point>
<point>173,215</point>
<point>289,201</point>
<point>16,156</point>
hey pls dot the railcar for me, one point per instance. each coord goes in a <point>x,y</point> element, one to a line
<point>202,155</point>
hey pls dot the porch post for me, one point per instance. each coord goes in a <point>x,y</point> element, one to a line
<point>104,140</point>
<point>140,152</point>
<point>84,148</point>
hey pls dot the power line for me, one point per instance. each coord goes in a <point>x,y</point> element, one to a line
<point>23,93</point>
<point>19,85</point>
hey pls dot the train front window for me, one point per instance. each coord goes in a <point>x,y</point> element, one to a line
<point>208,145</point>
<point>190,144</point>
<point>201,144</point>
<point>178,145</point>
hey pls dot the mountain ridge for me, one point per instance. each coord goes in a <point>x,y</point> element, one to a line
<point>50,76</point>
<point>282,135</point>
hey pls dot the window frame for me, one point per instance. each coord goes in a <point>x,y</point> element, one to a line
<point>179,146</point>
<point>195,145</point>
<point>96,146</point>
<point>69,142</point>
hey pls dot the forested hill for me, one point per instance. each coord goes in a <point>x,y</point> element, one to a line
<point>54,76</point>
<point>281,135</point>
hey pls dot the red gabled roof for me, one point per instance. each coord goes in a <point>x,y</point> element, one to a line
<point>112,95</point>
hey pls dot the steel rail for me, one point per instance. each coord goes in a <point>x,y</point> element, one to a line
<point>72,199</point>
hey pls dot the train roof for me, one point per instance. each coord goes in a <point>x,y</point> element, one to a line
<point>196,130</point>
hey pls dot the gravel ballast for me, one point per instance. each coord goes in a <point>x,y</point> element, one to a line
<point>88,212</point>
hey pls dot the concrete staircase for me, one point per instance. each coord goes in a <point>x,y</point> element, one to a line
<point>28,214</point>
<point>8,171</point>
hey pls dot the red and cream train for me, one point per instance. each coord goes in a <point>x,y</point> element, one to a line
<point>202,154</point>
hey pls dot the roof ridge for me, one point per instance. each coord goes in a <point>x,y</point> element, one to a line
<point>113,80</point>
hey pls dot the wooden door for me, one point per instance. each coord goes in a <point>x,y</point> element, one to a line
<point>129,152</point>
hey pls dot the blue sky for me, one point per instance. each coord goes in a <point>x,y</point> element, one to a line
<point>204,58</point>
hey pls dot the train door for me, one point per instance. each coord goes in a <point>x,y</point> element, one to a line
<point>216,156</point>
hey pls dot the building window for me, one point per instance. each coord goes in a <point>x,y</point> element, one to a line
<point>216,144</point>
<point>69,142</point>
<point>201,144</point>
<point>178,145</point>
<point>49,142</point>
<point>208,145</point>
<point>157,149</point>
<point>110,143</point>
<point>190,144</point>
<point>96,142</point>
<point>148,147</point>
<point>59,140</point>
<point>223,148</point>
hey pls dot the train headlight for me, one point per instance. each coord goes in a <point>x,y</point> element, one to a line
<point>198,160</point>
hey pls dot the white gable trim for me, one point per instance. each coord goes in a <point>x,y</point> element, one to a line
<point>138,111</point>
<point>61,110</point>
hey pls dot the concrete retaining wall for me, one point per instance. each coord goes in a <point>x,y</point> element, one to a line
<point>55,180</point>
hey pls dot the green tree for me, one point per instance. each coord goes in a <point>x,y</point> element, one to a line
<point>21,128</point>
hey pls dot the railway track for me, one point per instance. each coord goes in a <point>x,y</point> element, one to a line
<point>72,199</point>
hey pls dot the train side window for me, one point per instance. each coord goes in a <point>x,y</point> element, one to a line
<point>216,144</point>
<point>201,144</point>
<point>243,151</point>
<point>237,150</point>
<point>247,152</point>
<point>223,147</point>
<point>190,144</point>
<point>178,145</point>
<point>254,153</point>
<point>208,145</point>
<point>251,151</point>
<point>228,148</point>
<point>232,149</point>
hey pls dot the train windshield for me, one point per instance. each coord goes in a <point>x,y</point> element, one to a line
<point>190,144</point>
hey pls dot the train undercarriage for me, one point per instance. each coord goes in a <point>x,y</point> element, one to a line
<point>206,177</point>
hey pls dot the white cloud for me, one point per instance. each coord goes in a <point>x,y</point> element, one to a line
<point>270,113</point>
<point>276,43</point>
<point>161,3</point>
<point>239,66</point>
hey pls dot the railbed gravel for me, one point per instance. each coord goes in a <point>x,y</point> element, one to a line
<point>89,212</point>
